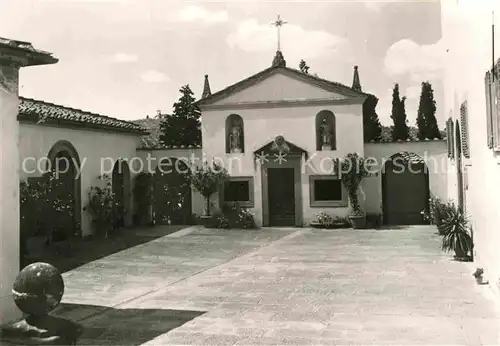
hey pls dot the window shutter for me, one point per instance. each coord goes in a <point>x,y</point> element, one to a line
<point>495,95</point>
<point>489,109</point>
<point>449,137</point>
<point>465,130</point>
<point>452,136</point>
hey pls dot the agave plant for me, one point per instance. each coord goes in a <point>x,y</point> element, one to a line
<point>457,238</point>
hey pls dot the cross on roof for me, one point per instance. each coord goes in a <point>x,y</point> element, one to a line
<point>278,23</point>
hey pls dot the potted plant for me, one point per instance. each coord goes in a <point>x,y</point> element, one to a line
<point>456,229</point>
<point>206,179</point>
<point>102,206</point>
<point>478,275</point>
<point>352,171</point>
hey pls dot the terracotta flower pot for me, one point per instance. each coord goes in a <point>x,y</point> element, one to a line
<point>358,221</point>
<point>207,221</point>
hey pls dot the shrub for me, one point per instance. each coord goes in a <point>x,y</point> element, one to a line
<point>325,220</point>
<point>220,220</point>
<point>102,206</point>
<point>41,206</point>
<point>438,212</point>
<point>328,221</point>
<point>231,215</point>
<point>207,179</point>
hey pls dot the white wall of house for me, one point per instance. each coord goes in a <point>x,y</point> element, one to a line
<point>9,193</point>
<point>434,153</point>
<point>98,151</point>
<point>296,123</point>
<point>467,60</point>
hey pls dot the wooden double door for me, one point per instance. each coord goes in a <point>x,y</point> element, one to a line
<point>406,193</point>
<point>281,196</point>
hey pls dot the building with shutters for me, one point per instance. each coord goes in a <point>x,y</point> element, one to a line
<point>472,91</point>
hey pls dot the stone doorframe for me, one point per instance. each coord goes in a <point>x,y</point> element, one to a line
<point>292,161</point>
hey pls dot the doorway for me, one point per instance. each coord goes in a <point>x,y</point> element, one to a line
<point>405,186</point>
<point>281,194</point>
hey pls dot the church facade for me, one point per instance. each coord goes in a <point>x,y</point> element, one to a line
<point>278,133</point>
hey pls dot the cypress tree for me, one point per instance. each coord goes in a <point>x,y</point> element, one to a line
<point>183,127</point>
<point>400,130</point>
<point>372,129</point>
<point>426,117</point>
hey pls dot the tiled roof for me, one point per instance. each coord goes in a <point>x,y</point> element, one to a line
<point>152,125</point>
<point>409,157</point>
<point>165,147</point>
<point>35,56</point>
<point>34,110</point>
<point>152,141</point>
<point>329,85</point>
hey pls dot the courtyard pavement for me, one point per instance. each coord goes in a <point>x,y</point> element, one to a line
<point>282,287</point>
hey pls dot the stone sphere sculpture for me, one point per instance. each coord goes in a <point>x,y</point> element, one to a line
<point>38,289</point>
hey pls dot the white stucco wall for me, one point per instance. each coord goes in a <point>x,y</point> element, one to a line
<point>279,87</point>
<point>98,151</point>
<point>467,60</point>
<point>434,153</point>
<point>296,124</point>
<point>193,156</point>
<point>9,193</point>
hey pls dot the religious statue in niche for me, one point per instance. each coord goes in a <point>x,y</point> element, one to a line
<point>325,135</point>
<point>236,139</point>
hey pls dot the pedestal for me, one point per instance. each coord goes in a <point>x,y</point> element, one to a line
<point>48,330</point>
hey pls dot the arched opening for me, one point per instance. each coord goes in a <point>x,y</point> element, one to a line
<point>172,193</point>
<point>325,131</point>
<point>405,189</point>
<point>64,165</point>
<point>235,139</point>
<point>120,185</point>
<point>458,152</point>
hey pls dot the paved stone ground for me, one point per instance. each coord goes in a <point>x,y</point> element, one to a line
<point>283,287</point>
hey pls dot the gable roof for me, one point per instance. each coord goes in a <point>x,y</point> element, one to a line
<point>33,110</point>
<point>307,78</point>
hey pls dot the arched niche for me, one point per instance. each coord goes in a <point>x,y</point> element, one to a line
<point>63,159</point>
<point>326,137</point>
<point>235,134</point>
<point>121,187</point>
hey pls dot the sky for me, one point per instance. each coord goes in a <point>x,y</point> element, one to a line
<point>129,58</point>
